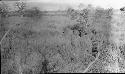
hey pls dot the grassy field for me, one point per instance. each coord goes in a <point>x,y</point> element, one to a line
<point>55,43</point>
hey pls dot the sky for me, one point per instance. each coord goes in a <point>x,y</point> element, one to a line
<point>64,4</point>
<point>116,4</point>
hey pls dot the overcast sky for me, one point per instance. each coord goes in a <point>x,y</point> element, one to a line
<point>64,4</point>
<point>103,3</point>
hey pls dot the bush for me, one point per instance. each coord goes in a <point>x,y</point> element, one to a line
<point>122,50</point>
<point>9,68</point>
<point>66,52</point>
<point>24,33</point>
<point>122,9</point>
<point>103,14</point>
<point>27,71</point>
<point>72,13</point>
<point>86,59</point>
<point>98,41</point>
<point>80,16</point>
<point>94,37</point>
<point>54,65</point>
<point>82,30</point>
<point>51,65</point>
<point>33,13</point>
<point>3,27</point>
<point>57,55</point>
<point>50,51</point>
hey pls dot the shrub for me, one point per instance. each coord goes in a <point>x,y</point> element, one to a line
<point>44,66</point>
<point>86,59</point>
<point>55,64</point>
<point>101,13</point>
<point>33,13</point>
<point>9,68</point>
<point>122,9</point>
<point>66,52</point>
<point>51,65</point>
<point>72,13</point>
<point>24,33</point>
<point>96,36</point>
<point>50,54</point>
<point>122,50</point>
<point>82,30</point>
<point>57,55</point>
<point>20,7</point>
<point>27,71</point>
<point>50,51</point>
<point>80,16</point>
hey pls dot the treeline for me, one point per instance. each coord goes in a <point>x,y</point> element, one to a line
<point>21,9</point>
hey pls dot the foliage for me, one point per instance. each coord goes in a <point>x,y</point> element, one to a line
<point>122,50</point>
<point>81,16</point>
<point>27,71</point>
<point>96,36</point>
<point>84,43</point>
<point>24,33</point>
<point>86,59</point>
<point>21,6</point>
<point>122,9</point>
<point>4,10</point>
<point>33,13</point>
<point>72,13</point>
<point>82,30</point>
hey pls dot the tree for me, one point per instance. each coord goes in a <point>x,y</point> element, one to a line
<point>72,13</point>
<point>81,16</point>
<point>21,6</point>
<point>33,13</point>
<point>4,10</point>
<point>122,9</point>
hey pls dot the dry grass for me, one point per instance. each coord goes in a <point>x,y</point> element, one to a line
<point>91,64</point>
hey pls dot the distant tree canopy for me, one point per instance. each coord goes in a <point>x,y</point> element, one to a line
<point>80,16</point>
<point>33,13</point>
<point>20,6</point>
<point>24,11</point>
<point>4,9</point>
<point>122,9</point>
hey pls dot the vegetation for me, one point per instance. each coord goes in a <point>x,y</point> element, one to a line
<point>21,6</point>
<point>4,10</point>
<point>85,42</point>
<point>122,51</point>
<point>80,16</point>
<point>99,39</point>
<point>96,36</point>
<point>23,11</point>
<point>33,13</point>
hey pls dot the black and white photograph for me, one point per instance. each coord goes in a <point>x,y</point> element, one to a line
<point>62,36</point>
